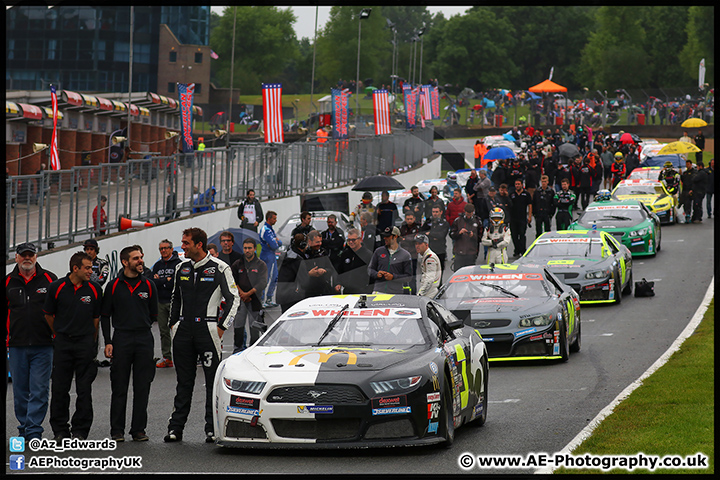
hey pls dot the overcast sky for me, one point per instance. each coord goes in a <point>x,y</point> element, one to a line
<point>305,24</point>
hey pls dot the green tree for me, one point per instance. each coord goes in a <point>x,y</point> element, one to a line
<point>662,37</point>
<point>265,44</point>
<point>337,47</point>
<point>700,42</point>
<point>474,50</point>
<point>614,56</point>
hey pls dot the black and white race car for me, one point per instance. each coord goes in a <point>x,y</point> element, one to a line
<point>522,312</point>
<point>353,371</point>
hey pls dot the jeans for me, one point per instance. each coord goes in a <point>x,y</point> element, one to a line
<point>164,328</point>
<point>708,202</point>
<point>30,368</point>
<point>271,262</point>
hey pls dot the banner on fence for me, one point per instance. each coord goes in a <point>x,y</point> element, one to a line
<point>339,114</point>
<point>410,105</point>
<point>272,112</point>
<point>381,107</point>
<point>185,96</point>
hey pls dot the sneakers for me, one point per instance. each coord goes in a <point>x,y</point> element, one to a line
<point>164,363</point>
<point>140,437</point>
<point>209,437</point>
<point>173,436</point>
<point>59,437</point>
<point>118,437</point>
<point>79,436</point>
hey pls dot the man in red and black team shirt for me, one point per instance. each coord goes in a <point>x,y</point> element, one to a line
<point>72,308</point>
<point>132,302</point>
<point>30,340</point>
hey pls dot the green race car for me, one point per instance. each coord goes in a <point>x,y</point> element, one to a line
<point>630,222</point>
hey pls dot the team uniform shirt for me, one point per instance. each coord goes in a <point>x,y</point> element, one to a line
<point>386,213</point>
<point>26,324</point>
<point>164,270</point>
<point>249,275</point>
<point>362,208</point>
<point>332,242</point>
<point>74,307</point>
<point>352,270</point>
<point>131,302</point>
<point>564,201</point>
<point>519,206</point>
<point>543,202</point>
<point>430,203</point>
<point>200,288</point>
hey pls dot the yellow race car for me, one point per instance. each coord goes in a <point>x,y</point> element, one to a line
<point>652,194</point>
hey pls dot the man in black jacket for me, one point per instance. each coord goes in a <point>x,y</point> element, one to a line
<point>288,290</point>
<point>163,275</point>
<point>250,274</point>
<point>250,212</point>
<point>437,229</point>
<point>699,186</point>
<point>132,302</point>
<point>316,273</point>
<point>520,217</point>
<point>390,265</point>
<point>543,206</point>
<point>352,265</point>
<point>30,340</point>
<point>333,239</point>
<point>686,197</point>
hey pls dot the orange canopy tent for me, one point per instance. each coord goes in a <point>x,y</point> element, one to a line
<point>547,86</point>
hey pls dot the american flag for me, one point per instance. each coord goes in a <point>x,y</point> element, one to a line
<point>214,55</point>
<point>382,112</point>
<point>54,158</point>
<point>416,102</point>
<point>435,96</point>
<point>272,112</point>
<point>425,101</point>
<point>409,100</point>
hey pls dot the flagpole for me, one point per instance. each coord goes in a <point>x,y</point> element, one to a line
<point>312,81</point>
<point>132,27</point>
<point>232,73</point>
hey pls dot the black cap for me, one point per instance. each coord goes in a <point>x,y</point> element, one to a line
<point>26,247</point>
<point>391,231</point>
<point>91,242</point>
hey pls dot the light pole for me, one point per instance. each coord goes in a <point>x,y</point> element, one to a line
<point>312,81</point>
<point>420,34</point>
<point>364,13</point>
<point>232,72</point>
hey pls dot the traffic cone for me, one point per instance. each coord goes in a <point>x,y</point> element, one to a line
<point>126,223</point>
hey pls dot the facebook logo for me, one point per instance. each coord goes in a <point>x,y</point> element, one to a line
<point>17,462</point>
<point>17,444</point>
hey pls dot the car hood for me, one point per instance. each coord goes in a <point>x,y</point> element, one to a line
<point>565,265</point>
<point>281,361</point>
<point>646,199</point>
<point>461,307</point>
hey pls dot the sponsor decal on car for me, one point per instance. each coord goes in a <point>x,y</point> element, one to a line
<point>391,410</point>
<point>242,411</point>
<point>433,368</point>
<point>297,314</point>
<point>527,331</point>
<point>368,312</point>
<point>237,401</point>
<point>536,337</point>
<point>477,411</point>
<point>324,357</point>
<point>315,409</point>
<point>495,276</point>
<point>433,427</point>
<point>435,382</point>
<point>433,397</point>
<point>488,339</point>
<point>433,411</point>
<point>394,401</point>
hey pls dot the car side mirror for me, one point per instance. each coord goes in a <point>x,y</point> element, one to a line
<point>455,325</point>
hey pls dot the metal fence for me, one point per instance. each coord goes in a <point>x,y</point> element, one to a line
<point>58,207</point>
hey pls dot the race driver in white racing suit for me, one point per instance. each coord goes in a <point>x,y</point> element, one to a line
<point>497,237</point>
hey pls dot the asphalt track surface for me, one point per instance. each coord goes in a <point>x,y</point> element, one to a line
<point>534,407</point>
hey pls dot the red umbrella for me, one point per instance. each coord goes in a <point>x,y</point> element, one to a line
<point>626,138</point>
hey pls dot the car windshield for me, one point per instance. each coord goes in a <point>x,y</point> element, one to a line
<point>354,328</point>
<point>496,285</point>
<point>611,214</point>
<point>639,190</point>
<point>644,174</point>
<point>563,247</point>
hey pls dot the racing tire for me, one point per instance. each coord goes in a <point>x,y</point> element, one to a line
<point>617,287</point>
<point>629,287</point>
<point>480,421</point>
<point>447,413</point>
<point>659,242</point>
<point>564,347</point>
<point>575,346</point>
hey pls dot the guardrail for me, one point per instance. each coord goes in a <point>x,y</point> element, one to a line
<point>56,207</point>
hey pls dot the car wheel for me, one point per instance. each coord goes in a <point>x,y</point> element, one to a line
<point>618,286</point>
<point>659,241</point>
<point>564,347</point>
<point>480,421</point>
<point>628,288</point>
<point>575,346</point>
<point>448,415</point>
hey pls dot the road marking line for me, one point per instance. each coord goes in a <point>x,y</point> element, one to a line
<point>508,400</point>
<point>587,431</point>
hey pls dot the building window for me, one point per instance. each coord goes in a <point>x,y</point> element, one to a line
<point>198,57</point>
<point>171,87</point>
<point>173,57</point>
<point>198,88</point>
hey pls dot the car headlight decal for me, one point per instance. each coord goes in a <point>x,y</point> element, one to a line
<point>536,321</point>
<point>640,233</point>
<point>244,386</point>
<point>397,384</point>
<point>597,274</point>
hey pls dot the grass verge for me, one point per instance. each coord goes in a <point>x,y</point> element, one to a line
<point>671,413</point>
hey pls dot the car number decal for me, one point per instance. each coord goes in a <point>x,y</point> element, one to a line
<point>464,393</point>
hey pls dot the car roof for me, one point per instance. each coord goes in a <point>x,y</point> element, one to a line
<point>639,181</point>
<point>614,203</point>
<point>499,269</point>
<point>572,233</point>
<point>373,301</point>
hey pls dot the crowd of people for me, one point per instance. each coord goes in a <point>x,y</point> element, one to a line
<point>54,324</point>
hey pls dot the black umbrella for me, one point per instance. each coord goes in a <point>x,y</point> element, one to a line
<point>378,183</point>
<point>568,150</point>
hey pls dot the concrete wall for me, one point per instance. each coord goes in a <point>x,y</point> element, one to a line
<point>57,260</point>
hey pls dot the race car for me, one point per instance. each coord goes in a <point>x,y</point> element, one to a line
<point>653,194</point>
<point>629,221</point>
<point>522,312</point>
<point>351,371</point>
<point>644,173</point>
<point>592,262</point>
